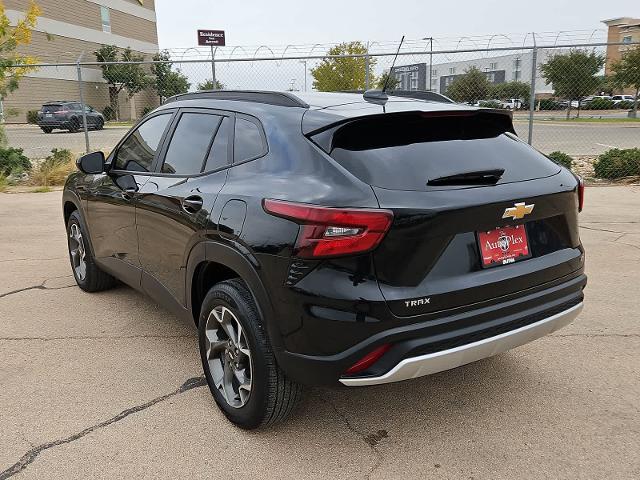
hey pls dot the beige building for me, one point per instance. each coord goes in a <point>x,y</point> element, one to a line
<point>625,30</point>
<point>65,30</point>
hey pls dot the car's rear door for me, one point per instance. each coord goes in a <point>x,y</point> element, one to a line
<point>112,197</point>
<point>174,205</point>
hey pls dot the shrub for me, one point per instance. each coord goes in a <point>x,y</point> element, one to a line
<point>12,160</point>
<point>3,183</point>
<point>108,113</point>
<point>600,104</point>
<point>489,104</point>
<point>617,163</point>
<point>54,169</point>
<point>32,116</point>
<point>549,104</point>
<point>624,105</point>
<point>561,158</point>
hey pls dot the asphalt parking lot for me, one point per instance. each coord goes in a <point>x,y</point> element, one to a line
<point>109,385</point>
<point>571,138</point>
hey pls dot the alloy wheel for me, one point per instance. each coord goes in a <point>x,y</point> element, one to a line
<point>228,356</point>
<point>77,251</point>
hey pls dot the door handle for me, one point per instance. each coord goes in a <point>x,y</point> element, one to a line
<point>192,204</point>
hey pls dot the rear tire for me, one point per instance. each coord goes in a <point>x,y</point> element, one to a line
<point>74,125</point>
<point>243,376</point>
<point>88,275</point>
<point>47,129</point>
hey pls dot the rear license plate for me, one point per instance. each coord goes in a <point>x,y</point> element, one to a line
<point>503,245</point>
<point>48,115</point>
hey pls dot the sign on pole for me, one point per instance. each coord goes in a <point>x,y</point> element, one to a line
<point>211,37</point>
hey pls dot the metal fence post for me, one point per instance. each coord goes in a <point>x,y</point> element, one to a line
<point>213,66</point>
<point>366,67</point>
<point>84,110</point>
<point>532,96</point>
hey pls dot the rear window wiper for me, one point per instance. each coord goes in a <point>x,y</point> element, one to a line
<point>477,177</point>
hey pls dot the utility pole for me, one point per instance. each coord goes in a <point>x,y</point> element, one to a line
<point>84,108</point>
<point>305,73</point>
<point>430,80</point>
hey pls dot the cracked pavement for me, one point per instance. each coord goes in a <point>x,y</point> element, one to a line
<point>109,385</point>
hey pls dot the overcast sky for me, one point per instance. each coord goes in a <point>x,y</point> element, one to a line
<point>279,22</point>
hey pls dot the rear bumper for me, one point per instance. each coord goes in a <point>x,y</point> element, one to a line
<point>53,123</point>
<point>431,343</point>
<point>455,357</point>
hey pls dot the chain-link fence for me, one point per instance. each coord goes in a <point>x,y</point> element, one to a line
<point>568,98</point>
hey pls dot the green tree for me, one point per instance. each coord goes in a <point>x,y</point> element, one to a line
<point>345,73</point>
<point>12,37</point>
<point>393,82</point>
<point>167,81</point>
<point>626,74</point>
<point>469,87</point>
<point>209,85</point>
<point>573,75</point>
<point>130,77</point>
<point>507,90</point>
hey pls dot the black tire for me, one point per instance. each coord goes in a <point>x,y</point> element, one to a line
<point>47,129</point>
<point>273,396</point>
<point>74,125</point>
<point>99,124</point>
<point>95,280</point>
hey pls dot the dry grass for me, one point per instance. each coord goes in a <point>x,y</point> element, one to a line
<point>54,170</point>
<point>3,183</point>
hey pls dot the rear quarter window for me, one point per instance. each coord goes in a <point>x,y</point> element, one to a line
<point>249,141</point>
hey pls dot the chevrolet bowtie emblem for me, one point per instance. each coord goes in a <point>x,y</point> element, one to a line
<point>518,211</point>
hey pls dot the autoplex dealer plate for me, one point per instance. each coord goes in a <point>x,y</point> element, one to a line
<point>503,245</point>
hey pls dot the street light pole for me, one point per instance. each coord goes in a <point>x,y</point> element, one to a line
<point>430,60</point>
<point>305,73</point>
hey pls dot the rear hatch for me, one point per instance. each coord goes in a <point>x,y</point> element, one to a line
<point>454,181</point>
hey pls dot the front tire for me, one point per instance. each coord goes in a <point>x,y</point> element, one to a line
<point>74,125</point>
<point>99,124</point>
<point>47,129</point>
<point>238,361</point>
<point>88,275</point>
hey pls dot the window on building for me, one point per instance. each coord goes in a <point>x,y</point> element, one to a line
<point>627,39</point>
<point>105,15</point>
<point>452,70</point>
<point>493,66</point>
<point>434,73</point>
<point>517,64</point>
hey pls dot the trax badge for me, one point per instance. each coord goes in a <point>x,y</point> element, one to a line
<point>415,303</point>
<point>518,211</point>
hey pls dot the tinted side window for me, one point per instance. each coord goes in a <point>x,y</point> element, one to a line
<point>248,141</point>
<point>218,155</point>
<point>190,143</point>
<point>138,150</point>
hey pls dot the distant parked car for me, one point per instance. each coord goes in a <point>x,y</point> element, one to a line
<point>66,115</point>
<point>622,98</point>
<point>512,104</point>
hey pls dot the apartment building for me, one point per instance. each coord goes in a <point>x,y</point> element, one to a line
<point>625,30</point>
<point>68,29</point>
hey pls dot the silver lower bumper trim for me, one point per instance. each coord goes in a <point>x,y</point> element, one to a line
<point>455,357</point>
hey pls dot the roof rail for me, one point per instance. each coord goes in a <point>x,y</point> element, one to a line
<point>282,99</point>
<point>421,95</point>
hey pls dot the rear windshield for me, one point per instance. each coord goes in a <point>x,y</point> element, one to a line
<point>51,108</point>
<point>404,152</point>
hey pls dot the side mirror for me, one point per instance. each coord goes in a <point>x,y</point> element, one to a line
<point>91,163</point>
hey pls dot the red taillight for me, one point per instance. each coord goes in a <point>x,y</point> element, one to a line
<point>329,232</point>
<point>369,359</point>
<point>580,193</point>
<point>61,112</point>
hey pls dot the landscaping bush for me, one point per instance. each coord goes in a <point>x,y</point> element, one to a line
<point>617,163</point>
<point>32,117</point>
<point>13,161</point>
<point>3,183</point>
<point>549,104</point>
<point>600,104</point>
<point>54,169</point>
<point>624,105</point>
<point>108,113</point>
<point>489,104</point>
<point>561,158</point>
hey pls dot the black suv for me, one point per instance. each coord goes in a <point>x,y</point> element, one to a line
<point>331,239</point>
<point>68,116</point>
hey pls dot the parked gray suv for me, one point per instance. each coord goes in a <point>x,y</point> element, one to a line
<point>67,115</point>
